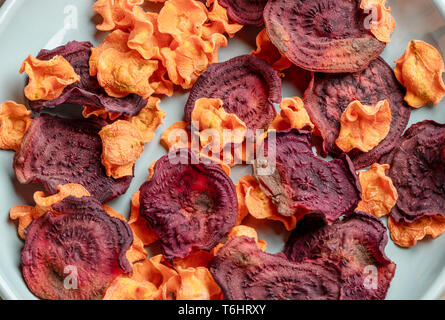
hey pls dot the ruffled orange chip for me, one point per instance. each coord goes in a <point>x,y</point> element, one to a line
<point>88,112</point>
<point>219,21</point>
<point>382,24</point>
<point>407,234</point>
<point>363,127</point>
<point>123,73</point>
<point>26,214</point>
<point>15,119</point>
<point>116,14</point>
<point>122,145</point>
<point>268,52</point>
<point>378,192</point>
<point>242,231</point>
<point>292,115</point>
<point>175,137</point>
<point>210,115</point>
<point>196,284</point>
<point>47,78</point>
<point>138,224</point>
<point>129,289</point>
<point>420,70</point>
<point>199,258</point>
<point>148,119</point>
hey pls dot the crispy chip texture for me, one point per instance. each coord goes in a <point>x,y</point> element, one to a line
<point>116,14</point>
<point>15,119</point>
<point>47,78</point>
<point>420,70</point>
<point>122,145</point>
<point>292,115</point>
<point>148,119</point>
<point>378,192</point>
<point>382,23</point>
<point>219,21</point>
<point>83,240</point>
<point>355,244</point>
<point>363,127</point>
<point>243,231</point>
<point>268,52</point>
<point>139,225</point>
<point>407,234</point>
<point>175,137</point>
<point>245,12</point>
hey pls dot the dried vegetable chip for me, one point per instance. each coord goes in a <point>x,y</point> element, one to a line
<point>139,225</point>
<point>378,192</point>
<point>355,244</point>
<point>15,119</point>
<point>188,205</point>
<point>57,151</point>
<point>301,183</point>
<point>115,13</point>
<point>245,12</point>
<point>87,91</point>
<point>322,35</point>
<point>88,112</point>
<point>122,145</point>
<point>329,95</point>
<point>148,119</point>
<point>243,231</point>
<point>292,115</point>
<point>83,242</point>
<point>176,137</point>
<point>363,127</point>
<point>418,172</point>
<point>47,78</point>
<point>232,82</point>
<point>420,70</point>
<point>382,24</point>
<point>244,272</point>
<point>219,21</point>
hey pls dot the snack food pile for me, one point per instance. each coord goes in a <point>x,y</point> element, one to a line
<point>355,108</point>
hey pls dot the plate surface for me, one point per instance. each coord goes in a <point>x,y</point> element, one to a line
<point>28,26</point>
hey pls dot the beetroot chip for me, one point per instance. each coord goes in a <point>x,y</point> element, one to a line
<point>77,253</point>
<point>244,272</point>
<point>86,92</point>
<point>356,244</point>
<point>322,35</point>
<point>57,151</point>
<point>328,96</point>
<point>248,87</point>
<point>302,182</point>
<point>247,12</point>
<point>188,205</point>
<point>417,170</point>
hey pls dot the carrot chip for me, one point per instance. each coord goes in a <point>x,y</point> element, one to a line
<point>292,115</point>
<point>378,192</point>
<point>420,70</point>
<point>47,78</point>
<point>363,127</point>
<point>139,225</point>
<point>382,23</point>
<point>122,145</point>
<point>219,21</point>
<point>148,119</point>
<point>88,112</point>
<point>15,119</point>
<point>116,14</point>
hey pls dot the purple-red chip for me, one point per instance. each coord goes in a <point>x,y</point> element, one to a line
<point>328,96</point>
<point>355,244</point>
<point>56,151</point>
<point>244,272</point>
<point>189,205</point>
<point>299,182</point>
<point>86,92</point>
<point>76,253</point>
<point>246,12</point>
<point>248,87</point>
<point>417,170</point>
<point>322,35</point>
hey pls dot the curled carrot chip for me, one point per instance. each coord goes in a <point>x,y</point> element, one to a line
<point>123,73</point>
<point>122,145</point>
<point>129,289</point>
<point>100,113</point>
<point>148,119</point>
<point>378,192</point>
<point>47,78</point>
<point>420,70</point>
<point>199,258</point>
<point>363,127</point>
<point>210,115</point>
<point>292,115</point>
<point>268,52</point>
<point>116,14</point>
<point>240,231</point>
<point>196,284</point>
<point>138,225</point>
<point>25,215</point>
<point>407,234</point>
<point>176,136</point>
<point>219,21</point>
<point>382,24</point>
<point>15,119</point>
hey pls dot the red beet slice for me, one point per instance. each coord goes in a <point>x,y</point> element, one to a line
<point>418,172</point>
<point>86,92</point>
<point>77,253</point>
<point>244,272</point>
<point>322,35</point>
<point>58,151</point>
<point>328,96</point>
<point>303,182</point>
<point>356,244</point>
<point>189,206</point>
<point>247,12</point>
<point>247,85</point>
